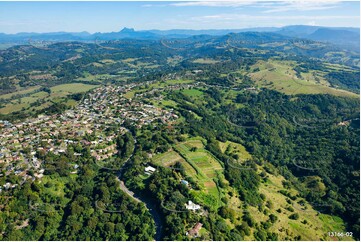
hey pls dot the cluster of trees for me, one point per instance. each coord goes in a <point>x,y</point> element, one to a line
<point>345,79</point>
<point>283,132</point>
<point>6,85</point>
<point>306,130</point>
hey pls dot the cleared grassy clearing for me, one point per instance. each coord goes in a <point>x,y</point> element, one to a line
<point>194,143</point>
<point>98,77</point>
<point>129,60</point>
<point>24,91</point>
<point>174,60</point>
<point>205,61</point>
<point>200,165</point>
<point>166,103</point>
<point>129,94</point>
<point>317,224</point>
<point>205,162</point>
<point>55,185</point>
<point>19,104</point>
<point>72,88</point>
<point>338,67</point>
<point>58,93</point>
<point>280,76</point>
<point>166,83</point>
<point>167,159</point>
<point>192,92</point>
<point>107,61</point>
<point>9,108</point>
<point>235,148</point>
<point>170,158</point>
<point>5,46</point>
<point>181,81</point>
<point>206,169</point>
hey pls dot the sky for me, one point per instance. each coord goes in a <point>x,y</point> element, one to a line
<point>113,16</point>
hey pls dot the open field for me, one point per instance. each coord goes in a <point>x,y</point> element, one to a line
<point>98,77</point>
<point>107,61</point>
<point>136,63</point>
<point>170,82</point>
<point>180,81</point>
<point>170,158</point>
<point>57,94</point>
<point>280,76</point>
<point>165,103</point>
<point>338,67</point>
<point>205,162</point>
<point>198,164</point>
<point>6,45</point>
<point>25,102</point>
<point>192,92</point>
<point>23,91</point>
<point>72,88</point>
<point>205,170</point>
<point>205,61</point>
<point>167,159</point>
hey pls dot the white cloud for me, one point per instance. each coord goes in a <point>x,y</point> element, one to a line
<point>269,6</point>
<point>300,6</point>
<point>269,19</point>
<point>312,23</point>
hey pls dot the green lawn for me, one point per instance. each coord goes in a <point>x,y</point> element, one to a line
<point>165,103</point>
<point>192,92</point>
<point>129,94</point>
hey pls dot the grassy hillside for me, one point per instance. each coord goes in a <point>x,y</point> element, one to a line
<point>310,224</point>
<point>200,165</point>
<point>281,76</point>
<point>34,97</point>
<point>293,218</point>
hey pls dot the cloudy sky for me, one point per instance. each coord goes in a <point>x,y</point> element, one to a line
<point>112,16</point>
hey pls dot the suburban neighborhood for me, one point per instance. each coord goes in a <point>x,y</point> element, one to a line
<point>86,124</point>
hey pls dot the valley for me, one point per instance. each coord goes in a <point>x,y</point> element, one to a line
<point>242,136</point>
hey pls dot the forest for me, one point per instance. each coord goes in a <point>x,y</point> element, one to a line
<point>262,162</point>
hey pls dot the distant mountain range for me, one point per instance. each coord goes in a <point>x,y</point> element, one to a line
<point>341,36</point>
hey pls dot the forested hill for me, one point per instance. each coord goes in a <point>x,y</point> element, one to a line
<point>349,37</point>
<point>242,136</point>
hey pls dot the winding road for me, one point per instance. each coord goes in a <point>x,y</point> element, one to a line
<point>150,205</point>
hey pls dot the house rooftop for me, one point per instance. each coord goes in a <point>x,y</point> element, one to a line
<point>195,230</point>
<point>150,169</point>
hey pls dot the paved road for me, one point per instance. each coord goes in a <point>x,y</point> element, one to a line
<point>127,191</point>
<point>148,204</point>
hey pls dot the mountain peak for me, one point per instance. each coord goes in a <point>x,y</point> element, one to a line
<point>127,30</point>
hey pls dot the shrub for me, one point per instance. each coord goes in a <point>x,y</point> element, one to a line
<point>294,216</point>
